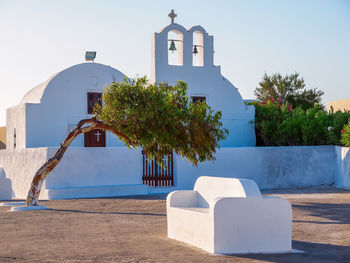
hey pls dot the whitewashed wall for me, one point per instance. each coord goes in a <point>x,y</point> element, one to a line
<point>19,167</point>
<point>96,167</point>
<point>6,192</point>
<point>89,172</point>
<point>269,167</point>
<point>342,179</point>
<point>82,172</point>
<point>16,119</point>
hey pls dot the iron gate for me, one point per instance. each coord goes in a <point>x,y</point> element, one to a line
<point>158,175</point>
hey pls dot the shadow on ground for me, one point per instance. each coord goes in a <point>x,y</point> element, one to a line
<point>306,190</point>
<point>133,197</point>
<point>313,252</point>
<point>106,213</point>
<point>337,213</point>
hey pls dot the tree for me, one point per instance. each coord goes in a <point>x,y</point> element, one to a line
<point>288,89</point>
<point>155,117</point>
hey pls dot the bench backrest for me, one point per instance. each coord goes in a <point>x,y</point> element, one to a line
<point>210,187</point>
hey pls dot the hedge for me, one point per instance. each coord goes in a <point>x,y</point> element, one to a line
<point>277,124</point>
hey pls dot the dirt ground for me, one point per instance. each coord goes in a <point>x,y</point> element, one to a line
<point>133,229</point>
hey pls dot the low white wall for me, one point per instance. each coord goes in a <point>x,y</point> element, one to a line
<point>16,119</point>
<point>5,186</point>
<point>81,167</point>
<point>19,167</point>
<point>269,167</point>
<point>119,170</point>
<point>342,179</point>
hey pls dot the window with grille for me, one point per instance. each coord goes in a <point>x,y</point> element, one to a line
<point>14,138</point>
<point>93,98</point>
<point>198,99</point>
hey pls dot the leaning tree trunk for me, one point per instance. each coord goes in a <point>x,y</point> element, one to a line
<point>46,168</point>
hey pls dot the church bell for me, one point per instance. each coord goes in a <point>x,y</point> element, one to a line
<point>195,51</point>
<point>172,46</point>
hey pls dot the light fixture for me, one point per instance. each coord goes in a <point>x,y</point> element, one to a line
<point>90,55</point>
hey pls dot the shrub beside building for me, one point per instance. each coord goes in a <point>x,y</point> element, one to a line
<point>278,124</point>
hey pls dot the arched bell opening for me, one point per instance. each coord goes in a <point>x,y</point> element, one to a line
<point>175,48</point>
<point>198,49</point>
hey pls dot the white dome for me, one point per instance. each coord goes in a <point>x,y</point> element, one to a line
<point>36,94</point>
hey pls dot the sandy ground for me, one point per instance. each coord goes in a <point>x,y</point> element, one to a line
<point>133,229</point>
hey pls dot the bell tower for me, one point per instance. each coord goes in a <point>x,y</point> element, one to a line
<point>176,49</point>
<point>188,55</point>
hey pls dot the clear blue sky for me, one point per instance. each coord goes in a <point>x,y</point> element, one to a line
<point>39,38</point>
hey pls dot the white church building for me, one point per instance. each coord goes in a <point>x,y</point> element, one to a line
<point>50,110</point>
<point>97,163</point>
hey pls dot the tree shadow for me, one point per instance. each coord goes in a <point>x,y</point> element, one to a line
<point>313,252</point>
<point>141,197</point>
<point>306,190</point>
<point>339,213</point>
<point>106,213</point>
<point>6,191</point>
<point>133,197</point>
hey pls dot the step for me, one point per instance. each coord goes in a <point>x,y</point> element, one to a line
<point>96,191</point>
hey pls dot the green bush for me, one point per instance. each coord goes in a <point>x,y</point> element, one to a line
<point>345,137</point>
<point>277,124</point>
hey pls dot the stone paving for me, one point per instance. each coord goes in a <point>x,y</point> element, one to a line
<point>133,229</point>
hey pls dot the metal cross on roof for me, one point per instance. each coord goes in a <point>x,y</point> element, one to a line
<point>172,16</point>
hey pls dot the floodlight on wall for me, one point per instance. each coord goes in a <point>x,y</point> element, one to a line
<point>90,55</point>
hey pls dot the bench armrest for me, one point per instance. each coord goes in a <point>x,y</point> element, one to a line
<point>184,198</point>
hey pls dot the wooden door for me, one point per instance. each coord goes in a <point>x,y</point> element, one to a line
<point>95,138</point>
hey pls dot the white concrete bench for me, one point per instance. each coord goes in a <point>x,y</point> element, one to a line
<point>229,215</point>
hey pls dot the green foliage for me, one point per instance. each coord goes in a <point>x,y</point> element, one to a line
<point>289,89</point>
<point>345,137</point>
<point>160,119</point>
<point>277,124</point>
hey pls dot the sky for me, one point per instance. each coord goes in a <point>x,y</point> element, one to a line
<point>312,37</point>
